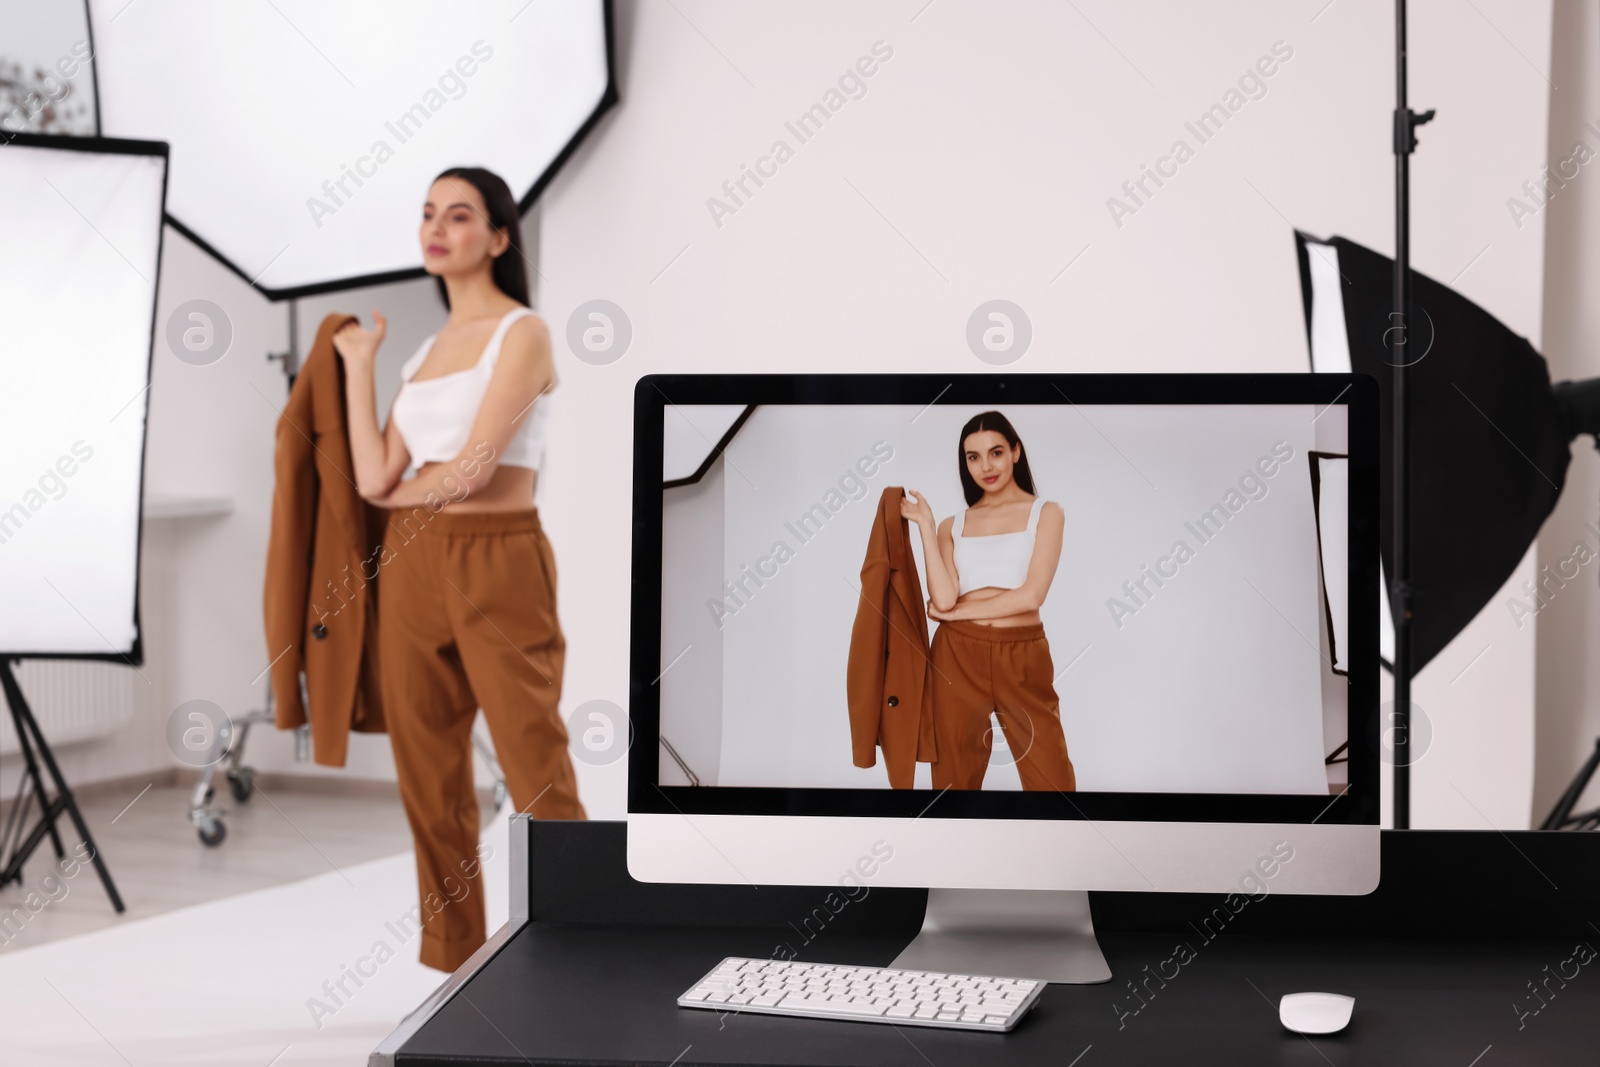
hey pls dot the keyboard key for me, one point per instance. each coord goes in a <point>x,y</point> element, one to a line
<point>851,1007</point>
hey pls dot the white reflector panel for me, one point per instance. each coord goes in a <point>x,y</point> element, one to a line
<point>83,249</point>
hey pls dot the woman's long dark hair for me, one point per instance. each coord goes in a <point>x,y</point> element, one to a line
<point>991,420</point>
<point>510,272</point>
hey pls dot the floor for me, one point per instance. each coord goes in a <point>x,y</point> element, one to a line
<point>282,834</point>
<point>303,956</point>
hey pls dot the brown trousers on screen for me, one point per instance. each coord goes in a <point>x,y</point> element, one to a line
<point>1006,670</point>
<point>467,619</point>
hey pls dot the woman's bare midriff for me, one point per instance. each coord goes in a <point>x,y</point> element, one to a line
<point>509,489</point>
<point>988,592</point>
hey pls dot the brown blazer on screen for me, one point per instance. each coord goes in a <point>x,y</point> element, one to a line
<point>889,683</point>
<point>320,593</point>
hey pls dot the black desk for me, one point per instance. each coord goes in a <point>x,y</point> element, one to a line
<point>1441,961</point>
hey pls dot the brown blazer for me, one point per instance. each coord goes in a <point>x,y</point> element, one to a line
<point>321,591</point>
<point>889,677</point>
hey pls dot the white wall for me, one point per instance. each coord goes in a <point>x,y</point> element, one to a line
<point>691,690</point>
<point>1569,622</point>
<point>978,166</point>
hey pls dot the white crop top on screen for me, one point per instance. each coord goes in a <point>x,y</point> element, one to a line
<point>434,416</point>
<point>998,561</point>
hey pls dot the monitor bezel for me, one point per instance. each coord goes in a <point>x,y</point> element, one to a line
<point>1358,805</point>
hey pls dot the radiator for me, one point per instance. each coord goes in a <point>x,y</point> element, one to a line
<point>73,700</point>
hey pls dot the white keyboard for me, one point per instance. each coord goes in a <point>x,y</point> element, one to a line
<point>864,994</point>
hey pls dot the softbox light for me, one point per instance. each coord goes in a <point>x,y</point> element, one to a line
<point>1488,440</point>
<point>1330,493</point>
<point>305,134</point>
<point>82,224</point>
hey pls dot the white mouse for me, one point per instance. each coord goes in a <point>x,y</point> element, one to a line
<point>1315,1013</point>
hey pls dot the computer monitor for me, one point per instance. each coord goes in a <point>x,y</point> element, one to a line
<point>1170,692</point>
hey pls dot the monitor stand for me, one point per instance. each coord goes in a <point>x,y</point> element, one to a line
<point>1013,933</point>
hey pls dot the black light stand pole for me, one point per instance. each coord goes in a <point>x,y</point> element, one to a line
<point>291,356</point>
<point>1405,123</point>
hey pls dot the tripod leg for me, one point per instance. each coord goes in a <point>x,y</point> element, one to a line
<point>13,871</point>
<point>16,819</point>
<point>28,729</point>
<point>32,770</point>
<point>1561,814</point>
<point>94,855</point>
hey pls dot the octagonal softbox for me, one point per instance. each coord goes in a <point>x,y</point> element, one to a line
<point>1488,442</point>
<point>305,134</point>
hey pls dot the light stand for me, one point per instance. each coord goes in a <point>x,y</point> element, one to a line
<point>35,750</point>
<point>84,263</point>
<point>1405,142</point>
<point>1561,817</point>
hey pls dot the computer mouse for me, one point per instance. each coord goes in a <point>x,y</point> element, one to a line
<point>1315,1013</point>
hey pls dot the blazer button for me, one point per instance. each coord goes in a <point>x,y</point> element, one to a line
<point>319,631</point>
<point>894,702</point>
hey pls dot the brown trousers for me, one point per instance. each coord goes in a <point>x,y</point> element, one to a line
<point>467,618</point>
<point>1006,670</point>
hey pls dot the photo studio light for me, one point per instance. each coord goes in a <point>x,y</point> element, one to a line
<point>304,135</point>
<point>694,436</point>
<point>82,219</point>
<point>1330,485</point>
<point>1488,433</point>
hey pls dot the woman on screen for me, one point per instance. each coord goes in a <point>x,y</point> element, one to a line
<point>467,582</point>
<point>989,569</point>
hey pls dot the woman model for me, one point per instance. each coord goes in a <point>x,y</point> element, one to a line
<point>467,604</point>
<point>989,568</point>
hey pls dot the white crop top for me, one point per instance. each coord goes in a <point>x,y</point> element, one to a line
<point>999,561</point>
<point>434,416</point>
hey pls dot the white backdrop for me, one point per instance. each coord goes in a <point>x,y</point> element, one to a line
<point>1214,684</point>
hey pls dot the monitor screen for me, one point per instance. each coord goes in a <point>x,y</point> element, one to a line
<point>1126,597</point>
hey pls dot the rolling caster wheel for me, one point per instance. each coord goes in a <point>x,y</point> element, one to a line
<point>212,832</point>
<point>242,783</point>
